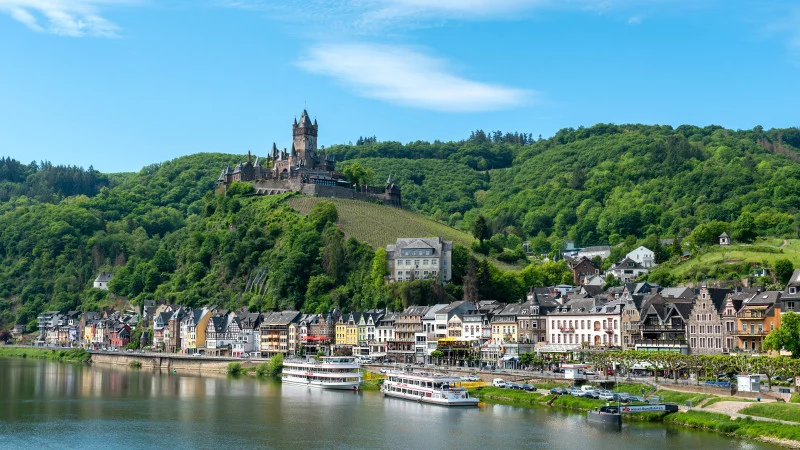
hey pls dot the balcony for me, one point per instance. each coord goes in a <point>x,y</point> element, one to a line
<point>667,328</point>
<point>749,332</point>
<point>661,343</point>
<point>566,329</point>
<point>752,314</point>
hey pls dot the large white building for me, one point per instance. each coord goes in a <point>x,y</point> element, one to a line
<point>584,320</point>
<point>420,259</point>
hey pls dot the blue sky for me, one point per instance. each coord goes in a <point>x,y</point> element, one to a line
<point>120,84</point>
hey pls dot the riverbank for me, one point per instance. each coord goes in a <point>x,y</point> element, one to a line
<point>762,429</point>
<point>62,355</point>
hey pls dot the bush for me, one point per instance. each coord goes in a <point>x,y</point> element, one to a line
<point>235,368</point>
<point>272,368</point>
<point>135,364</point>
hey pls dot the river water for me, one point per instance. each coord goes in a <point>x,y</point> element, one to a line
<point>54,405</point>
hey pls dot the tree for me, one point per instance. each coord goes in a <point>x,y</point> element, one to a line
<point>480,230</point>
<point>787,336</point>
<point>379,269</point>
<point>769,366</point>
<point>323,213</point>
<point>783,270</point>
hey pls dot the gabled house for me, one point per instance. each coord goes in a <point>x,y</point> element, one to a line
<point>724,239</point>
<point>642,255</point>
<point>790,299</point>
<point>705,328</point>
<point>582,268</point>
<point>274,332</point>
<point>102,280</point>
<point>248,340</point>
<point>662,324</point>
<point>120,336</point>
<point>628,270</point>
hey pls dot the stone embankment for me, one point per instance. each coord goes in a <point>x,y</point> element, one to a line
<point>169,362</point>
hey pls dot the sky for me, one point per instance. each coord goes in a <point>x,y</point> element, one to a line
<point>121,84</point>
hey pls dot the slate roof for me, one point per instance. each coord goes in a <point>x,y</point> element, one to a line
<point>104,277</point>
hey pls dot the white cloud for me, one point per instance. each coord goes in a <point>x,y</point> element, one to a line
<point>74,18</point>
<point>635,20</point>
<point>407,77</point>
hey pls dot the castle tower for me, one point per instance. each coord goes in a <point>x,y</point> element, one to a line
<point>305,139</point>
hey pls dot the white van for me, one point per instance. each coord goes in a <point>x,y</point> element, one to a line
<point>587,388</point>
<point>499,382</point>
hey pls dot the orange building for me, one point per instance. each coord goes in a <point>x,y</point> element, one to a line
<point>755,319</point>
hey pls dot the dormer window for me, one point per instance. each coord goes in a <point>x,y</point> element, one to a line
<point>630,264</point>
<point>792,290</point>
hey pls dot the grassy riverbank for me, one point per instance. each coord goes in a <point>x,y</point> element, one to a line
<point>71,355</point>
<point>786,435</point>
<point>745,427</point>
<point>779,411</point>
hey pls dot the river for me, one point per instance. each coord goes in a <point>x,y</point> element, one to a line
<point>53,405</point>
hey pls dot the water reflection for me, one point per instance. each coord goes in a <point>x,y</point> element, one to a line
<point>62,405</point>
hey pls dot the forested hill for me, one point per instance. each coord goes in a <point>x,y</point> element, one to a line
<point>165,234</point>
<point>602,184</point>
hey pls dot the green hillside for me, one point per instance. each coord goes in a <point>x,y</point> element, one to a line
<point>730,262</point>
<point>380,225</point>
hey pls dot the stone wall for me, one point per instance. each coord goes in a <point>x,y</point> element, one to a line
<point>169,362</point>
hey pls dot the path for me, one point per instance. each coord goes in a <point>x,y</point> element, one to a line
<point>732,409</point>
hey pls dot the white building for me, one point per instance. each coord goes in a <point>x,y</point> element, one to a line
<point>419,259</point>
<point>585,320</point>
<point>603,251</point>
<point>101,282</point>
<point>643,256</point>
<point>627,270</point>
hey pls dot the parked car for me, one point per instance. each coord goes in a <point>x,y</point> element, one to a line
<point>528,387</point>
<point>471,378</point>
<point>558,391</point>
<point>609,396</point>
<point>589,372</point>
<point>515,386</point>
<point>499,382</point>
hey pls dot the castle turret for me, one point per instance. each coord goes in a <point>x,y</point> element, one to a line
<point>305,139</point>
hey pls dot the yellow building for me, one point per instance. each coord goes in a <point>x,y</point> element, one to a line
<point>341,333</point>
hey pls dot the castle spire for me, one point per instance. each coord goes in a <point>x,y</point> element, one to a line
<point>294,151</point>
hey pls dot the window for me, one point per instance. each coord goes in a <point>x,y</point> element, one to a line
<point>793,290</point>
<point>424,262</point>
<point>694,342</point>
<point>434,262</point>
<point>744,326</point>
<point>416,262</point>
<point>790,305</point>
<point>718,330</point>
<point>408,262</point>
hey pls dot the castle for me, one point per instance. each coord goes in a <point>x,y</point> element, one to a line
<point>304,169</point>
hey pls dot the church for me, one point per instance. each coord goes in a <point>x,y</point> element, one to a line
<point>304,169</point>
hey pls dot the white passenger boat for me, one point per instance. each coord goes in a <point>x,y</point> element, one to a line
<point>332,372</point>
<point>427,388</point>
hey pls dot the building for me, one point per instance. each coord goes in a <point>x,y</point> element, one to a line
<point>758,315</point>
<point>102,280</point>
<point>419,259</point>
<point>627,270</point>
<point>586,322</point>
<point>603,251</point>
<point>662,324</point>
<point>724,239</point>
<point>705,329</point>
<point>643,256</point>
<point>406,325</point>
<point>582,268</point>
<point>305,169</point>
<point>790,300</point>
<point>274,332</point>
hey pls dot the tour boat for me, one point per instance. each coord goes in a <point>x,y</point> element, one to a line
<point>332,372</point>
<point>427,388</point>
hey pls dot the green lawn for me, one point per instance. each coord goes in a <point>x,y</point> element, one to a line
<point>780,411</point>
<point>681,397</point>
<point>740,427</point>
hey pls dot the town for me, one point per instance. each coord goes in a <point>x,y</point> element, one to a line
<point>556,320</point>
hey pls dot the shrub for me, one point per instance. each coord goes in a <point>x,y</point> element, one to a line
<point>135,364</point>
<point>234,368</point>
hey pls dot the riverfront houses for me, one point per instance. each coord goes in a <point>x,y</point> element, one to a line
<point>643,316</point>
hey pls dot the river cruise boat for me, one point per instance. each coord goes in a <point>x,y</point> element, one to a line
<point>332,372</point>
<point>427,388</point>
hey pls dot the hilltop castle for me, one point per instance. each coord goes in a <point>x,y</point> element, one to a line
<point>303,169</point>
